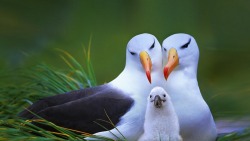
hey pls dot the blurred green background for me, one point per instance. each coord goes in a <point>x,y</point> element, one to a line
<point>30,30</point>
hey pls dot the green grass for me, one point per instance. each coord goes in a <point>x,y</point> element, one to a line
<point>38,82</point>
<point>236,136</point>
<point>41,81</point>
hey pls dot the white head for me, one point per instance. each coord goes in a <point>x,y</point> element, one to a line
<point>180,51</point>
<point>158,97</point>
<point>144,49</point>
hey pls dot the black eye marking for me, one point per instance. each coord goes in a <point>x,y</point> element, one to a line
<point>132,53</point>
<point>186,45</point>
<point>164,49</point>
<point>150,96</point>
<point>164,95</point>
<point>152,46</point>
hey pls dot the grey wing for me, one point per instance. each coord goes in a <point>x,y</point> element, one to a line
<point>81,114</point>
<point>60,99</point>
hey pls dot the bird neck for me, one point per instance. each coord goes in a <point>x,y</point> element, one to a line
<point>182,81</point>
<point>128,81</point>
<point>134,81</point>
<point>166,110</point>
<point>190,70</point>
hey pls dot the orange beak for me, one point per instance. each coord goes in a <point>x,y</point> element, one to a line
<point>146,63</point>
<point>173,61</point>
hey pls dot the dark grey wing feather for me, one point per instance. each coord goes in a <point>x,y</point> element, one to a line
<point>81,114</point>
<point>79,110</point>
<point>61,99</point>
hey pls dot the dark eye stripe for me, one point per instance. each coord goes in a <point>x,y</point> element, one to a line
<point>152,46</point>
<point>132,53</point>
<point>186,45</point>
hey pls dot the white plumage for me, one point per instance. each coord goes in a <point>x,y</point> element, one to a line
<point>133,82</point>
<point>161,122</point>
<point>181,53</point>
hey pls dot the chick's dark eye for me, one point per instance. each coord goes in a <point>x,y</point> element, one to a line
<point>186,45</point>
<point>164,95</point>
<point>150,96</point>
<point>153,45</point>
<point>132,53</point>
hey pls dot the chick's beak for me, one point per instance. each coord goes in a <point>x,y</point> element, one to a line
<point>173,61</point>
<point>157,101</point>
<point>146,63</point>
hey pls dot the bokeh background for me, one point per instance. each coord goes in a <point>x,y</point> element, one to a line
<point>31,30</point>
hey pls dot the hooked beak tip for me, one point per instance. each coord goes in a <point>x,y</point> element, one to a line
<point>165,72</point>
<point>148,76</point>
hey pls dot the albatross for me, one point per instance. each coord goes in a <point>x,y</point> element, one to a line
<point>122,99</point>
<point>181,55</point>
<point>161,121</point>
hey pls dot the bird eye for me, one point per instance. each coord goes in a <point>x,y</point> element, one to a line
<point>150,96</point>
<point>132,53</point>
<point>164,49</point>
<point>186,45</point>
<point>164,95</point>
<point>152,46</point>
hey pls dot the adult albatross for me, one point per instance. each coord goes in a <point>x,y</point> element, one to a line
<point>123,99</point>
<point>181,54</point>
